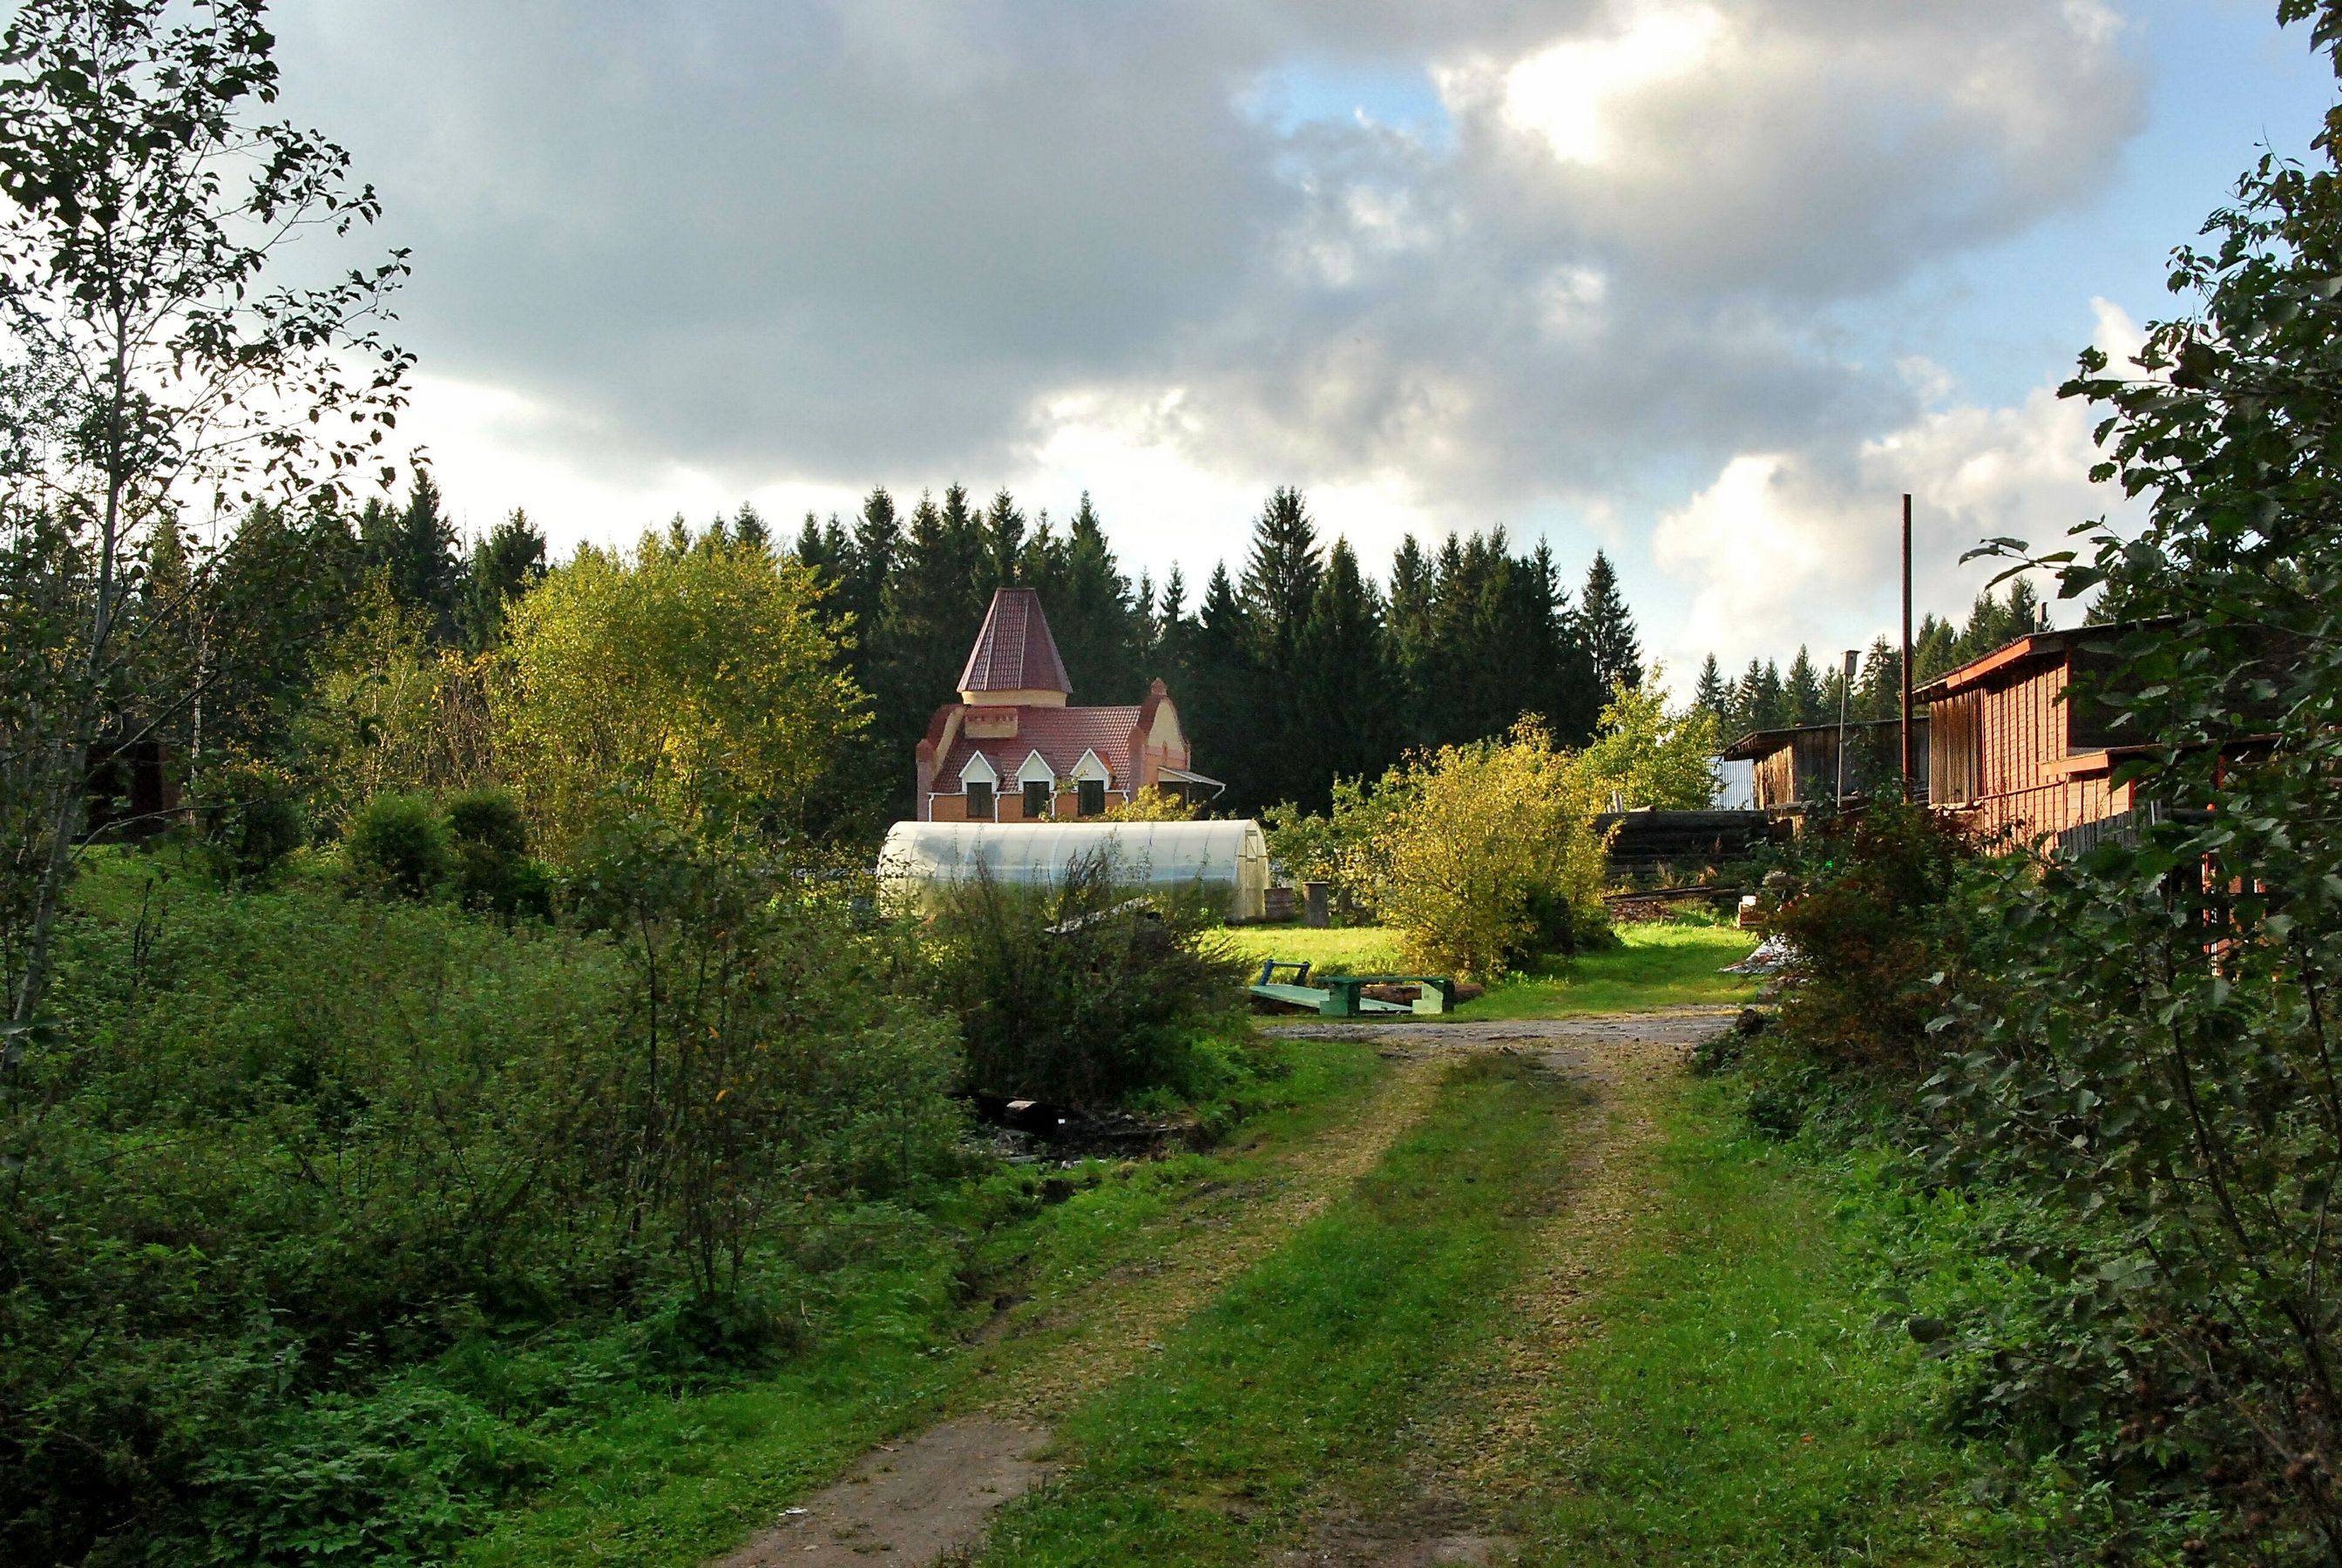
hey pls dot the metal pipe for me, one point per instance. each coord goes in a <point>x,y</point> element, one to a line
<point>1906,648</point>
<point>1845,694</point>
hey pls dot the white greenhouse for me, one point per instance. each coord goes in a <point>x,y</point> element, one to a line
<point>1229,859</point>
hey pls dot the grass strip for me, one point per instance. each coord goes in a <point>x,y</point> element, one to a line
<point>658,1479</point>
<point>1304,1371</point>
<point>1654,965</point>
<point>1739,1405</point>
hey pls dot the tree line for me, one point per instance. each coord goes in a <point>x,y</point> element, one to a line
<point>1294,670</point>
<point>1766,698</point>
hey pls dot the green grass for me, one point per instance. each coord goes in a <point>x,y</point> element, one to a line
<point>667,1480</point>
<point>1307,1369</point>
<point>1740,1405</point>
<point>1655,965</point>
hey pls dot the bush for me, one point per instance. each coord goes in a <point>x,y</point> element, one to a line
<point>399,842</point>
<point>250,821</point>
<point>1875,921</point>
<point>312,1155</point>
<point>489,847</point>
<point>1079,993</point>
<point>1490,856</point>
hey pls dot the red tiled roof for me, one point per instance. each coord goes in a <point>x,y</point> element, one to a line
<point>1015,652</point>
<point>1060,734</point>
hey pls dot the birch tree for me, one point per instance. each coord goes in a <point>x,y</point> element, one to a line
<point>150,367</point>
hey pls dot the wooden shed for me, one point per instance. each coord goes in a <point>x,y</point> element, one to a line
<point>2012,751</point>
<point>1798,766</point>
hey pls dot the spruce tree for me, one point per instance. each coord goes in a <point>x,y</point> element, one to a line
<point>426,574</point>
<point>1004,544</point>
<point>1280,585</point>
<point>749,529</point>
<point>876,541</point>
<point>1090,610</point>
<point>1173,636</point>
<point>1281,575</point>
<point>1226,718</point>
<point>1711,695</point>
<point>1609,628</point>
<point>504,562</point>
<point>1343,725</point>
<point>1801,698</point>
<point>1878,691</point>
<point>1408,625</point>
<point>931,607</point>
<point>1934,651</point>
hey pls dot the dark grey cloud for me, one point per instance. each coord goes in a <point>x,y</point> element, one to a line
<point>852,241</point>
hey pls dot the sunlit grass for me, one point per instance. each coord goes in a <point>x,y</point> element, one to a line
<point>1655,965</point>
<point>1740,1405</point>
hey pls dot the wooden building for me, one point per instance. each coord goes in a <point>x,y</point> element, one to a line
<point>2013,751</point>
<point>1798,766</point>
<point>1012,749</point>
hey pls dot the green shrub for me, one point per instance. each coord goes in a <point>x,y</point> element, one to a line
<point>489,848</point>
<point>1079,991</point>
<point>294,1236</point>
<point>1875,920</point>
<point>399,842</point>
<point>489,819</point>
<point>250,819</point>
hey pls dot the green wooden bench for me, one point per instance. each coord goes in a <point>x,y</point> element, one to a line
<point>1344,999</point>
<point>1343,995</point>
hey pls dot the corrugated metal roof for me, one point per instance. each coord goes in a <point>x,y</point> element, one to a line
<point>1015,652</point>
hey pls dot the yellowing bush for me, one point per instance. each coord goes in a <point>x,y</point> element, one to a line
<point>1492,854</point>
<point>699,680</point>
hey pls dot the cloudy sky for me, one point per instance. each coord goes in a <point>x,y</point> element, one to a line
<point>1705,282</point>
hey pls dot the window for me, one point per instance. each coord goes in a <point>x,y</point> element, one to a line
<point>1089,797</point>
<point>979,801</point>
<point>1036,800</point>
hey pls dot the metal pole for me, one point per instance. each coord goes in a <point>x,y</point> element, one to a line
<point>1845,692</point>
<point>1906,648</point>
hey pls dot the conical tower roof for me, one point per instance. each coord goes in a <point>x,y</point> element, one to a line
<point>1015,652</point>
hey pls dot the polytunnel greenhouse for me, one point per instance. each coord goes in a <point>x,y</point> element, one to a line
<point>1228,859</point>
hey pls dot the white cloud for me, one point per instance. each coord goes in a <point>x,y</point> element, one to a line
<point>1791,548</point>
<point>1569,94</point>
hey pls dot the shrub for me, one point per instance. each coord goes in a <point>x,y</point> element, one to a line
<point>1875,920</point>
<point>489,848</point>
<point>488,819</point>
<point>706,683</point>
<point>250,821</point>
<point>311,1157</point>
<point>1490,856</point>
<point>1078,992</point>
<point>399,842</point>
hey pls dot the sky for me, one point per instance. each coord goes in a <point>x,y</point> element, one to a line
<point>1705,283</point>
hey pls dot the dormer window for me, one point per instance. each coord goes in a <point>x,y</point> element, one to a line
<point>1036,800</point>
<point>979,800</point>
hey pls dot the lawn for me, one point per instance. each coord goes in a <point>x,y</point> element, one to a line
<point>1655,965</point>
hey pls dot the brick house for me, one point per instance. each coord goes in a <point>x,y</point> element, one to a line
<point>1012,749</point>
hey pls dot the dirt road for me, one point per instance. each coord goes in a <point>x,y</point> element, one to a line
<point>930,1498</point>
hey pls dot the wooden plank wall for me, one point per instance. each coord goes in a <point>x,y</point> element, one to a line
<point>1955,748</point>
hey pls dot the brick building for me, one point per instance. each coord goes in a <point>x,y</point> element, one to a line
<point>1012,749</point>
